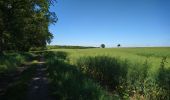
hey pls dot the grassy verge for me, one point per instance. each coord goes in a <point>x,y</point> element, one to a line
<point>10,61</point>
<point>69,83</point>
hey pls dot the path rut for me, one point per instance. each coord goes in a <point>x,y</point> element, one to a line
<point>38,89</point>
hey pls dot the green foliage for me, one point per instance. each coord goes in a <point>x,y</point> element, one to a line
<point>56,55</point>
<point>118,45</point>
<point>108,71</point>
<point>68,83</point>
<point>102,46</point>
<point>146,72</point>
<point>68,47</point>
<point>104,74</point>
<point>15,74</point>
<point>10,61</point>
<point>164,79</point>
<point>24,24</point>
<point>38,48</point>
<point>126,79</point>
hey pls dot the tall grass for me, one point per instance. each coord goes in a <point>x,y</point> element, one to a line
<point>68,83</point>
<point>164,79</point>
<point>132,73</point>
<point>10,61</point>
<point>108,71</point>
<point>122,77</point>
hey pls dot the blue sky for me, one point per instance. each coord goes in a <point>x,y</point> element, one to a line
<point>128,22</point>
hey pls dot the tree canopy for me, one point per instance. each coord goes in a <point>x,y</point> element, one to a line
<point>24,24</point>
<point>102,45</point>
<point>118,45</point>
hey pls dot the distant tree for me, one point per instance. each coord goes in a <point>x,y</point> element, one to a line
<point>102,46</point>
<point>118,45</point>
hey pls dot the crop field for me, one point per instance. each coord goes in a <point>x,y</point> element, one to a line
<point>127,73</point>
<point>153,55</point>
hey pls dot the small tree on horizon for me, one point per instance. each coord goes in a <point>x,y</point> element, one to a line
<point>118,45</point>
<point>102,46</point>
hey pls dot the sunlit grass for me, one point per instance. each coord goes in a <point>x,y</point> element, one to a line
<point>154,55</point>
<point>143,75</point>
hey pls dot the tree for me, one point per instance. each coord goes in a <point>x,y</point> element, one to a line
<point>118,45</point>
<point>24,24</point>
<point>102,45</point>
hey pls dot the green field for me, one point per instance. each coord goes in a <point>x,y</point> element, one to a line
<point>99,50</point>
<point>93,74</point>
<point>154,55</point>
<point>132,72</point>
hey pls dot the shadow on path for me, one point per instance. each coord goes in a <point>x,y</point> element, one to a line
<point>28,82</point>
<point>38,87</point>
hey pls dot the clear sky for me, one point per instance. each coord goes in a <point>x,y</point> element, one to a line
<point>128,22</point>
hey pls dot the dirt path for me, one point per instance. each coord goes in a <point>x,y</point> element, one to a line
<point>38,89</point>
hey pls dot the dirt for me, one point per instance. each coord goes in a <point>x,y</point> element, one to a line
<point>38,89</point>
<point>7,79</point>
<point>38,86</point>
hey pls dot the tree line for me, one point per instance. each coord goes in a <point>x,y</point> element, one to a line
<point>24,24</point>
<point>69,47</point>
